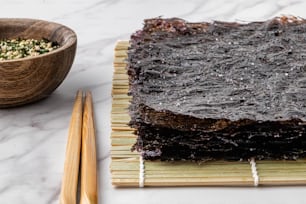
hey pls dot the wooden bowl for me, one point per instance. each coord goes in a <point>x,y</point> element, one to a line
<point>30,79</point>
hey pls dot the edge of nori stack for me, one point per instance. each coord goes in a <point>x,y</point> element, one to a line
<point>154,121</point>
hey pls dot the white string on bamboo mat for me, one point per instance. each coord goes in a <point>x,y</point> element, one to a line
<point>254,171</point>
<point>141,172</point>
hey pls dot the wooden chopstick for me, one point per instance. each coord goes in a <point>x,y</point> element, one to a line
<point>71,170</point>
<point>81,141</point>
<point>89,161</point>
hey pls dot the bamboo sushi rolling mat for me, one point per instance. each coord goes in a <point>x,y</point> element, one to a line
<point>129,170</point>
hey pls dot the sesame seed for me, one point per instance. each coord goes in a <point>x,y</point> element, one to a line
<point>20,48</point>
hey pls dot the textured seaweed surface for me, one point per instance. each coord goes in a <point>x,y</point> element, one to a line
<point>267,140</point>
<point>207,78</point>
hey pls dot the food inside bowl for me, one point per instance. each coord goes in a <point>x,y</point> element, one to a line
<point>11,49</point>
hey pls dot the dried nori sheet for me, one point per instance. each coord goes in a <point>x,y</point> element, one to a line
<point>211,77</point>
<point>267,140</point>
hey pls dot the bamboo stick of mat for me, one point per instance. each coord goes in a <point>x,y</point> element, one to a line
<point>125,164</point>
<point>89,160</point>
<point>68,193</point>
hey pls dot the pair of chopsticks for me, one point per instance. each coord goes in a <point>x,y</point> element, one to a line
<point>81,143</point>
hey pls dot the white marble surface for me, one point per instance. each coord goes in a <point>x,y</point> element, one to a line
<point>33,138</point>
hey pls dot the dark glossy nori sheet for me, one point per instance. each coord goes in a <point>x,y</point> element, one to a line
<point>268,140</point>
<point>210,77</point>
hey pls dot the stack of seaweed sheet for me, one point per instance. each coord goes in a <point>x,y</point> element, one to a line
<point>219,90</point>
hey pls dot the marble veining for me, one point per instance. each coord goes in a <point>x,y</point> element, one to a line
<point>33,137</point>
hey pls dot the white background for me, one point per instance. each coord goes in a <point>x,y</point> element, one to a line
<point>33,137</point>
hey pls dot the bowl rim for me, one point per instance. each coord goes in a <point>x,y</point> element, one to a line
<point>60,49</point>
